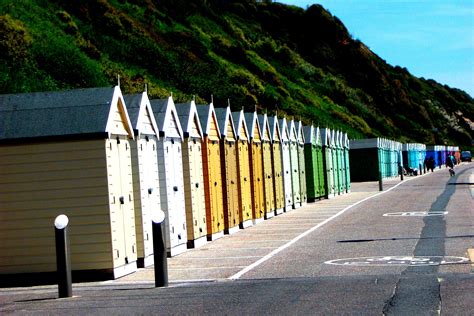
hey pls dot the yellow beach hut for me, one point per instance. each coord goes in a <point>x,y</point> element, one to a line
<point>243,170</point>
<point>229,170</point>
<point>170,166</point>
<point>193,174</point>
<point>146,185</point>
<point>211,162</point>
<point>66,153</point>
<point>277,165</point>
<point>256,170</point>
<point>269,197</point>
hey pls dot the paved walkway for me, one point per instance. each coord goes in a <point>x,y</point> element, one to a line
<point>231,256</point>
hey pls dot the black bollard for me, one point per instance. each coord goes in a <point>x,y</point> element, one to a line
<point>380,182</point>
<point>159,250</point>
<point>401,173</point>
<point>419,165</point>
<point>63,256</point>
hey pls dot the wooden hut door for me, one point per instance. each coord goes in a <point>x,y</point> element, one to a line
<point>321,171</point>
<point>150,190</point>
<point>257,179</point>
<point>177,191</point>
<point>231,185</point>
<point>197,186</point>
<point>314,171</point>
<point>287,174</point>
<point>295,173</point>
<point>215,185</point>
<point>268,175</point>
<point>302,170</point>
<point>245,184</point>
<point>335,168</point>
<point>329,171</point>
<point>122,209</point>
<point>278,176</point>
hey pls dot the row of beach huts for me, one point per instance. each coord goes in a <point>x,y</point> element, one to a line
<point>110,162</point>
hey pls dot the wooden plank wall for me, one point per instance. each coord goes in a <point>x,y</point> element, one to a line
<point>41,181</point>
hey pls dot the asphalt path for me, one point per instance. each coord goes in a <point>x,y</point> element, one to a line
<point>366,261</point>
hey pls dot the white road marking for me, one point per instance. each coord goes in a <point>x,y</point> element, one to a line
<point>436,213</point>
<point>398,261</point>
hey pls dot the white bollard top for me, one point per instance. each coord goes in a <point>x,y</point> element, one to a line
<point>61,221</point>
<point>158,217</point>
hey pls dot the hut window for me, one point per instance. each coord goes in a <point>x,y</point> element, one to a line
<point>147,138</point>
<point>118,140</point>
<point>194,141</point>
<point>172,141</point>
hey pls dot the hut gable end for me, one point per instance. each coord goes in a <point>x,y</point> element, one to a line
<point>208,120</point>
<point>189,118</point>
<point>241,126</point>
<point>141,114</point>
<point>263,120</point>
<point>167,118</point>
<point>119,122</point>
<point>275,127</point>
<point>214,128</point>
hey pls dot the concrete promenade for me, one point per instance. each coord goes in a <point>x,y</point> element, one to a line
<point>284,259</point>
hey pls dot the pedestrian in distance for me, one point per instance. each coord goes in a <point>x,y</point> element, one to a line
<point>431,164</point>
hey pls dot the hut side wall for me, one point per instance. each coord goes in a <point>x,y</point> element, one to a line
<point>39,182</point>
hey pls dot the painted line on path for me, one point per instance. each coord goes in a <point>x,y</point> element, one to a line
<point>309,231</point>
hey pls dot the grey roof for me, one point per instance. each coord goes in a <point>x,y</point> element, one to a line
<point>300,132</point>
<point>222,115</point>
<point>221,118</point>
<point>238,122</point>
<point>159,109</point>
<point>309,134</point>
<point>203,113</point>
<point>326,137</point>
<point>52,114</point>
<point>274,126</point>
<point>250,121</point>
<point>184,111</point>
<point>261,123</point>
<point>133,102</point>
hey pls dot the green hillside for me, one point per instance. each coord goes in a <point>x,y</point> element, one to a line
<point>284,59</point>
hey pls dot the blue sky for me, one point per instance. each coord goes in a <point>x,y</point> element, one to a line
<point>433,39</point>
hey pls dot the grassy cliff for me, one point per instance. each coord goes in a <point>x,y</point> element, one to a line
<point>299,63</point>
